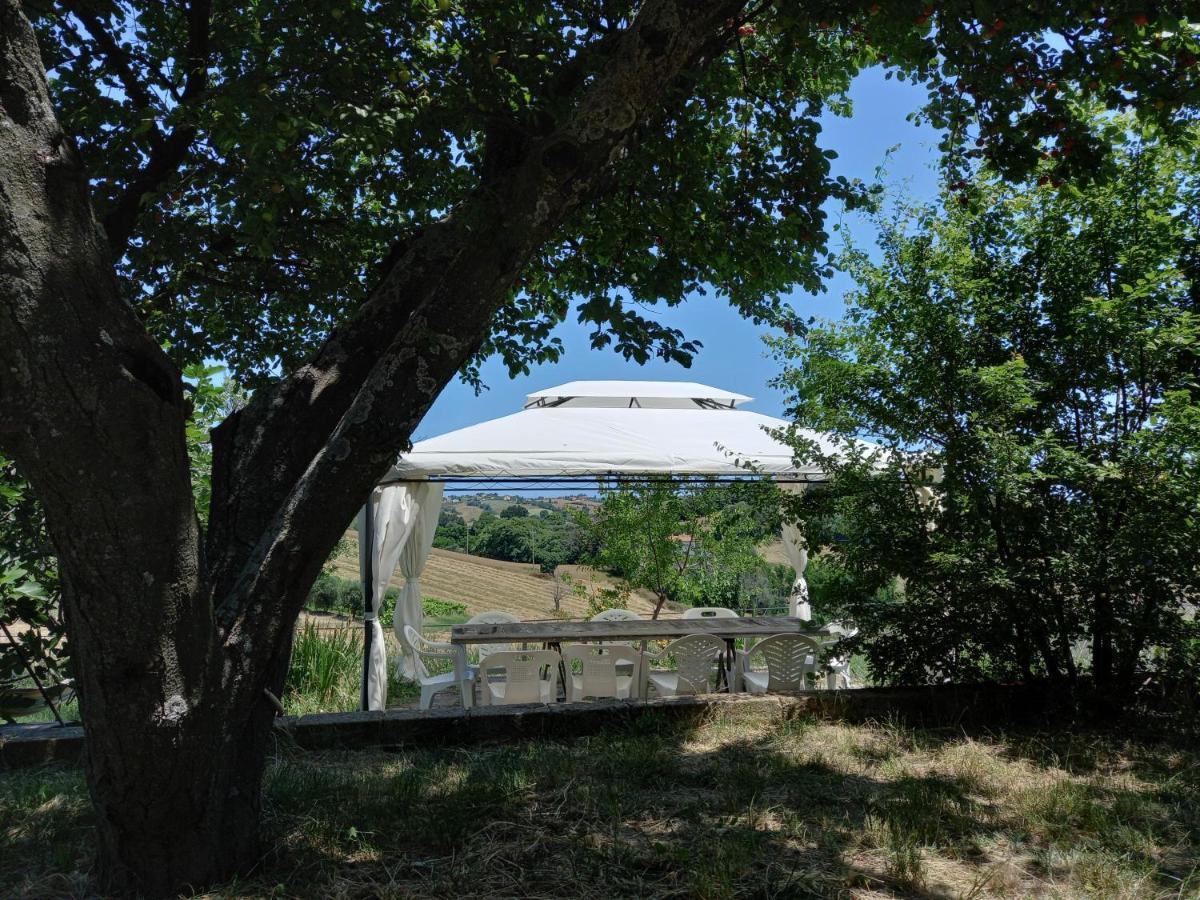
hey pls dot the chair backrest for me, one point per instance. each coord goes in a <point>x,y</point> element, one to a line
<point>695,661</point>
<point>709,612</point>
<point>615,615</point>
<point>789,658</point>
<point>840,630</point>
<point>599,663</point>
<point>522,674</point>
<point>417,642</point>
<point>492,617</point>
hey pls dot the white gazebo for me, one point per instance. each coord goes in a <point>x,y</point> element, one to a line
<point>582,431</point>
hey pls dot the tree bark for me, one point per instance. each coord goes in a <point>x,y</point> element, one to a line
<point>94,413</point>
<point>176,637</point>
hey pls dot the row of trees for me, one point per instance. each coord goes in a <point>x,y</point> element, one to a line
<point>549,540</point>
<point>694,544</point>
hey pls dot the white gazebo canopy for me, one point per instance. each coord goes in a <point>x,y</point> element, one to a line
<point>598,428</point>
<point>653,394</point>
<point>583,429</point>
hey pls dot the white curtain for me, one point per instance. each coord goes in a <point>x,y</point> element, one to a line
<point>369,529</point>
<point>796,551</point>
<point>419,505</point>
<point>403,520</point>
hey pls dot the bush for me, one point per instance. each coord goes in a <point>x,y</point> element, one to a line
<point>442,609</point>
<point>324,593</point>
<point>330,593</point>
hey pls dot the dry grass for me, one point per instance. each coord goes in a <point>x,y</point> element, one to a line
<point>484,584</point>
<point>747,805</point>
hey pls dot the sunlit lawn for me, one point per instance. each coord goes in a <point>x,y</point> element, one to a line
<point>753,806</point>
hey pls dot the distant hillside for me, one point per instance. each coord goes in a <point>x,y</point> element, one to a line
<point>772,552</point>
<point>484,584</point>
<point>472,506</point>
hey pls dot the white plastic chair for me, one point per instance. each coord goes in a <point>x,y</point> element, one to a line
<point>530,676</point>
<point>423,649</point>
<point>493,617</point>
<point>838,667</point>
<point>732,675</point>
<point>620,615</point>
<point>708,612</point>
<point>615,615</point>
<point>695,656</point>
<point>789,658</point>
<point>600,676</point>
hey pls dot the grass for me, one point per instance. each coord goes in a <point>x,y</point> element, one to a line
<point>325,671</point>
<point>325,674</point>
<point>745,805</point>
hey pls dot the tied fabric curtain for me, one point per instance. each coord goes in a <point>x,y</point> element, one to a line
<point>420,507</point>
<point>402,517</point>
<point>796,551</point>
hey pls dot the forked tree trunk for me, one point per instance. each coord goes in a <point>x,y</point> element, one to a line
<point>175,641</point>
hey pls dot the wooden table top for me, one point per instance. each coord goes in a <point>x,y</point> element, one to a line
<point>632,629</point>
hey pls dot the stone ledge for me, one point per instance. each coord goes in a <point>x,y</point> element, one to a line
<point>31,745</point>
<point>43,742</point>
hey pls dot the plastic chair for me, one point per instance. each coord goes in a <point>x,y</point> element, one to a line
<point>695,656</point>
<point>423,649</point>
<point>493,617</point>
<point>732,675</point>
<point>530,676</point>
<point>620,615</point>
<point>600,676</point>
<point>615,615</point>
<point>837,667</point>
<point>708,612</point>
<point>16,702</point>
<point>790,659</point>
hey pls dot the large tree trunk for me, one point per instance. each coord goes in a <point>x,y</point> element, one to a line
<point>94,412</point>
<point>176,639</point>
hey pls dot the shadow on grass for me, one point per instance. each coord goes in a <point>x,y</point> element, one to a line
<point>778,808</point>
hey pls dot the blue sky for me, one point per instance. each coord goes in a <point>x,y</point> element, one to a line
<point>733,356</point>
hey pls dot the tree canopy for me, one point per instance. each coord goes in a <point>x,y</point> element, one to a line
<point>1032,361</point>
<point>255,166</point>
<point>691,543</point>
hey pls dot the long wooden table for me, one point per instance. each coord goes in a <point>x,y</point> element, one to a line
<point>554,634</point>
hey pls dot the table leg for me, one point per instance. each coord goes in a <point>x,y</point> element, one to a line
<point>556,646</point>
<point>466,687</point>
<point>728,674</point>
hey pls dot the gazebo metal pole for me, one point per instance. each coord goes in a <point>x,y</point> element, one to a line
<point>366,558</point>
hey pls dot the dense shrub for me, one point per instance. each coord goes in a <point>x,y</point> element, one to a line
<point>1029,359</point>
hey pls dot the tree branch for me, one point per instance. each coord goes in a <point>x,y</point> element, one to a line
<point>115,55</point>
<point>294,466</point>
<point>170,150</point>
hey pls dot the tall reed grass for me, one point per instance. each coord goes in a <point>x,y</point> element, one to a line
<point>325,671</point>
